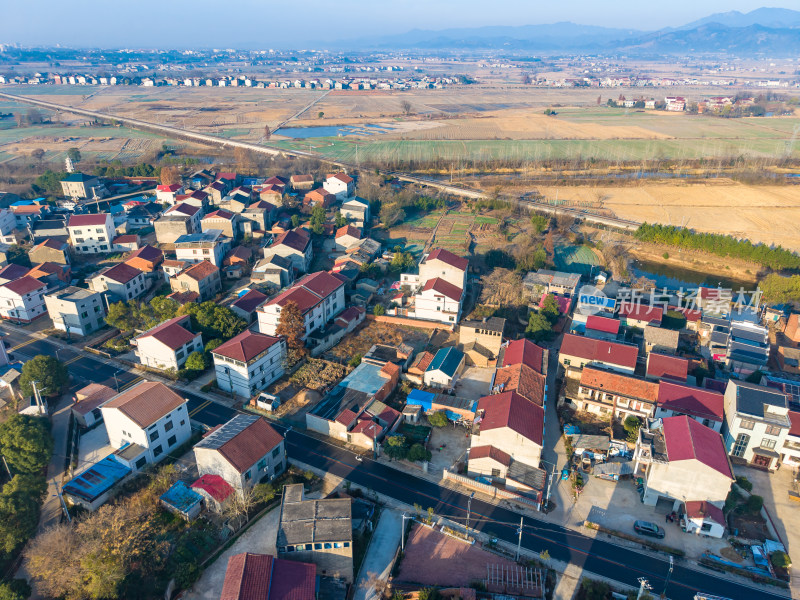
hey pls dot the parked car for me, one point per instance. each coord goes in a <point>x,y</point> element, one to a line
<point>649,529</point>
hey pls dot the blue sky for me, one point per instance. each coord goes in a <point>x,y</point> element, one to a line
<point>298,23</point>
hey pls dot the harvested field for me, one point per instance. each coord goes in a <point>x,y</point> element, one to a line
<point>761,213</point>
<point>432,558</point>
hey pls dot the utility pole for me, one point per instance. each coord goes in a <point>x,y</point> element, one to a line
<point>63,504</point>
<point>669,576</point>
<point>7,469</point>
<point>519,541</point>
<point>116,381</point>
<point>644,586</point>
<point>37,397</point>
<point>469,507</point>
<point>403,532</point>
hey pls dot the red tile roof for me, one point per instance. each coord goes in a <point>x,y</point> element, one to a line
<point>171,333</point>
<point>301,178</point>
<point>126,239</point>
<point>459,262</point>
<point>348,230</point>
<point>304,299</point>
<point>705,510</point>
<point>346,417</point>
<point>169,188</point>
<point>121,273</point>
<point>599,350</point>
<point>525,352</point>
<point>250,301</point>
<point>48,268</point>
<point>13,271</point>
<point>598,323</point>
<point>665,365</point>
<point>490,452</point>
<point>511,410</point>
<point>250,445</point>
<point>686,439</point>
<point>369,428</point>
<point>794,419</point>
<point>423,361</point>
<point>246,346</point>
<point>50,243</point>
<point>215,486</point>
<point>615,383</point>
<point>146,402</point>
<point>263,577</point>
<point>227,175</point>
<point>184,297</point>
<point>199,271</point>
<point>322,283</point>
<point>93,396</point>
<point>84,220</point>
<point>148,253</point>
<point>390,370</point>
<point>637,311</point>
<point>688,400</point>
<point>524,380</point>
<point>350,314</point>
<point>341,177</point>
<point>437,284</point>
<point>294,240</point>
<point>183,209</point>
<point>24,285</point>
<point>219,214</point>
<point>238,254</point>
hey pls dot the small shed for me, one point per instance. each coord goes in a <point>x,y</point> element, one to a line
<point>411,413</point>
<point>591,446</point>
<point>182,500</point>
<point>445,368</point>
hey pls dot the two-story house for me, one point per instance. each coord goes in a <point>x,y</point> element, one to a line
<point>180,219</point>
<point>294,245</point>
<point>244,451</point>
<point>340,185</point>
<point>90,234</point>
<point>76,310</point>
<point>146,422</point>
<point>165,194</point>
<point>22,299</point>
<point>168,345</point>
<point>703,405</point>
<point>225,221</point>
<point>209,245</point>
<point>79,185</point>
<point>756,423</point>
<point>249,362</point>
<point>50,250</point>
<point>319,296</point>
<point>356,210</point>
<point>203,278</point>
<point>578,351</point>
<point>606,392</point>
<point>122,282</point>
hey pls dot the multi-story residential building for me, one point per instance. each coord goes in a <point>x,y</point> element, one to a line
<point>76,310</point>
<point>78,185</point>
<point>168,345</point>
<point>249,362</point>
<point>11,272</point>
<point>756,423</point>
<point>606,392</point>
<point>259,215</point>
<point>318,197</point>
<point>294,245</point>
<point>684,461</point>
<point>166,193</point>
<point>146,422</point>
<point>356,210</point>
<point>209,245</point>
<point>544,282</point>
<point>443,264</point>
<point>179,220</point>
<point>22,299</point>
<point>319,296</point>
<point>90,234</point>
<point>122,282</point>
<point>244,451</point>
<point>702,405</point>
<point>481,341</point>
<point>225,221</point>
<point>8,227</point>
<point>578,351</point>
<point>317,531</point>
<point>790,453</point>
<point>54,251</point>
<point>203,278</point>
<point>340,185</point>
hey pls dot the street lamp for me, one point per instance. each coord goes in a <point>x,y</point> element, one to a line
<point>469,507</point>
<point>403,531</point>
<point>116,381</point>
<point>669,576</point>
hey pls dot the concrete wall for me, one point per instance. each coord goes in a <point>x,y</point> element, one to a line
<point>686,480</point>
<point>512,443</point>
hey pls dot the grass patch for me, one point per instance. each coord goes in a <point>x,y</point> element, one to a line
<point>634,538</point>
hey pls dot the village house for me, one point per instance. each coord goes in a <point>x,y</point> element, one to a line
<point>80,186</point>
<point>264,577</point>
<point>703,405</point>
<point>319,197</point>
<point>50,250</point>
<point>606,392</point>
<point>523,351</point>
<point>446,366</point>
<point>209,245</point>
<point>249,362</point>
<point>91,233</point>
<point>665,366</point>
<point>577,352</point>
<point>168,345</point>
<point>202,278</point>
<point>88,401</point>
<point>129,242</point>
<point>52,275</point>
<point>122,282</point>
<point>340,185</point>
<point>545,281</point>
<point>601,328</point>
<point>356,211</point>
<point>684,461</point>
<point>11,272</point>
<point>147,259</point>
<point>22,299</point>
<point>226,222</point>
<point>165,194</point>
<point>347,237</point>
<point>657,339</point>
<point>76,310</point>
<point>480,341</point>
<point>301,182</point>
<point>179,220</point>
<point>294,245</point>
<point>259,216</point>
<point>636,314</point>
<point>146,422</point>
<point>171,267</point>
<point>271,193</point>
<point>217,493</point>
<point>756,423</point>
<point>316,531</point>
<point>244,451</point>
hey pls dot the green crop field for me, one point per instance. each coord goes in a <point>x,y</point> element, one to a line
<point>575,259</point>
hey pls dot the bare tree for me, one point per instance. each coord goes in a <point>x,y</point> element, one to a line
<point>170,176</point>
<point>526,79</point>
<point>267,132</point>
<point>406,107</point>
<point>38,155</point>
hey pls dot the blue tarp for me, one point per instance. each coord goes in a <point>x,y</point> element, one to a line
<point>181,498</point>
<point>97,479</point>
<point>420,398</point>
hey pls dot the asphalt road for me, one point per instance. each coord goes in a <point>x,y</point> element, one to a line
<point>595,556</point>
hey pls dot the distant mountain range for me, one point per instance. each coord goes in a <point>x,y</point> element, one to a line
<point>770,31</point>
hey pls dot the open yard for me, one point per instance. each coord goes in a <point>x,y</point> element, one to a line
<point>359,342</point>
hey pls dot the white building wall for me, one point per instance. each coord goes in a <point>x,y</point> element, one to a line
<point>433,306</point>
<point>153,353</point>
<point>711,424</point>
<point>509,441</point>
<point>211,462</point>
<point>685,480</point>
<point>91,239</point>
<point>155,438</point>
<point>259,374</point>
<point>26,307</point>
<point>431,269</point>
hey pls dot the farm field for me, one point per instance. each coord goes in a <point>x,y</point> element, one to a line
<point>760,213</point>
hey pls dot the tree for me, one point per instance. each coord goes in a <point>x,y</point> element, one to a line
<point>539,222</point>
<point>170,176</point>
<point>26,443</point>
<point>291,325</point>
<point>438,419</point>
<point>539,327</point>
<point>355,361</point>
<point>295,221</point>
<point>526,79</point>
<point>320,114</point>
<point>38,155</point>
<point>18,255</point>
<point>74,155</point>
<point>243,158</point>
<point>406,107</point>
<point>49,373</point>
<point>550,309</point>
<point>395,447</point>
<point>318,219</point>
<point>341,221</point>
<point>753,504</point>
<point>267,132</point>
<point>16,589</point>
<point>778,558</point>
<point>196,361</point>
<point>120,315</point>
<point>213,321</point>
<point>391,214</point>
<point>549,245</point>
<point>417,453</point>
<point>632,425</point>
<point>186,573</point>
<point>402,261</point>
<point>19,510</point>
<point>379,310</point>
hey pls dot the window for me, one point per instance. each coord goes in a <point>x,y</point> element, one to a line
<point>276,452</point>
<point>247,476</point>
<point>767,443</point>
<point>168,426</point>
<point>154,436</point>
<point>328,545</point>
<point>740,445</point>
<point>124,433</point>
<point>337,544</point>
<point>289,548</point>
<point>773,430</point>
<point>141,462</point>
<point>706,527</point>
<point>317,546</point>
<point>171,441</point>
<point>566,362</point>
<point>495,472</point>
<point>157,450</point>
<point>747,424</point>
<point>347,544</point>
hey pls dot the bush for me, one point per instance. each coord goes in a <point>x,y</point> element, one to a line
<point>753,504</point>
<point>744,483</point>
<point>16,589</point>
<point>355,361</point>
<point>186,573</point>
<point>196,361</point>
<point>632,425</point>
<point>379,310</point>
<point>780,559</point>
<point>438,419</point>
<point>417,453</point>
<point>595,590</point>
<point>665,256</point>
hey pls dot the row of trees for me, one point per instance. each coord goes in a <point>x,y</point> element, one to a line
<point>776,258</point>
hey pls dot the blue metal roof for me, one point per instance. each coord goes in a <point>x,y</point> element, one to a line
<point>97,479</point>
<point>181,497</point>
<point>420,398</point>
<point>447,361</point>
<point>24,203</point>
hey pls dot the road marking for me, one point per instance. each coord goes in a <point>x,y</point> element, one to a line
<point>130,384</point>
<point>30,341</point>
<point>199,408</point>
<point>73,359</point>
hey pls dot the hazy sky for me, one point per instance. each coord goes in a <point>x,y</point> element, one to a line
<point>297,23</point>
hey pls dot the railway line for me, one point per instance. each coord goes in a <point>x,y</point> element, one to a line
<point>215,141</point>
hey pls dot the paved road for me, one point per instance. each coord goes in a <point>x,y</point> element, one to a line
<point>595,556</point>
<point>380,555</point>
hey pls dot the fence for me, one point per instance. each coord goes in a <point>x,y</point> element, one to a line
<point>489,490</point>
